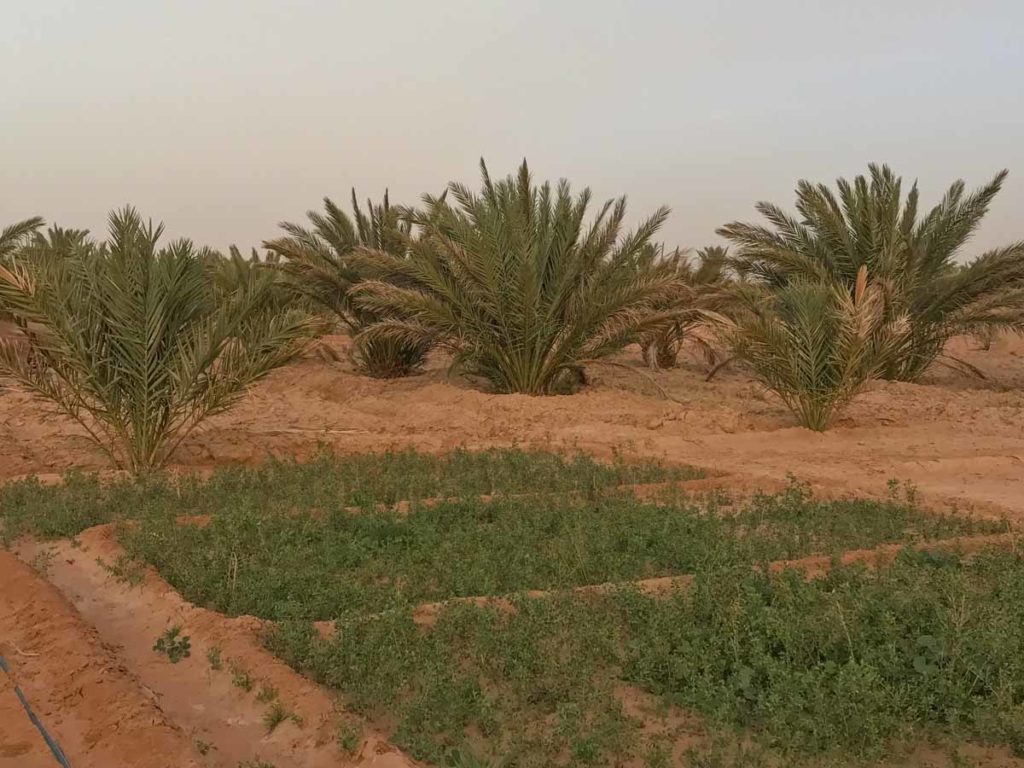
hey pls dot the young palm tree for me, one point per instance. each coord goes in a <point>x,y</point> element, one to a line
<point>814,344</point>
<point>912,259</point>
<point>704,289</point>
<point>128,340</point>
<point>318,261</point>
<point>516,285</point>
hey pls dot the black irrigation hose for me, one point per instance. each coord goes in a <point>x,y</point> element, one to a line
<point>53,745</point>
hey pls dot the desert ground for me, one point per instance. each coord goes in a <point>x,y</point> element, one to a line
<point>77,640</point>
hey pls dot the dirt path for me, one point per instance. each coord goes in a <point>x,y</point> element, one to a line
<point>21,745</point>
<point>204,703</point>
<point>98,712</point>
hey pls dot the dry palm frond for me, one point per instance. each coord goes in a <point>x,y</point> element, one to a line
<point>318,263</point>
<point>911,258</point>
<point>815,345</point>
<point>133,342</point>
<point>515,283</point>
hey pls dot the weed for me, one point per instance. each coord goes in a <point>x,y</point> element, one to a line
<point>204,747</point>
<point>126,569</point>
<point>350,737</point>
<point>42,561</point>
<point>175,645</point>
<point>267,693</point>
<point>255,764</point>
<point>277,714</point>
<point>241,678</point>
<point>213,656</point>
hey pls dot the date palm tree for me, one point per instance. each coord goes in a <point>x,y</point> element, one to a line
<point>912,258</point>
<point>319,263</point>
<point>815,344</point>
<point>14,236</point>
<point>516,285</point>
<point>704,291</point>
<point>131,340</point>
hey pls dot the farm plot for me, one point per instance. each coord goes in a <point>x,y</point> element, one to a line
<point>494,608</point>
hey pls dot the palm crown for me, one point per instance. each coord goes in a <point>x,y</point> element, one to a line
<point>516,284</point>
<point>913,259</point>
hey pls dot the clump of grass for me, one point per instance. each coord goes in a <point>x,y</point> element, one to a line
<point>125,569</point>
<point>174,645</point>
<point>240,677</point>
<point>267,693</point>
<point>843,668</point>
<point>277,714</point>
<point>213,656</point>
<point>328,482</point>
<point>349,738</point>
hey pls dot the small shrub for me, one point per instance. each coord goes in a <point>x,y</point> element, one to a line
<point>174,645</point>
<point>267,693</point>
<point>213,656</point>
<point>277,714</point>
<point>350,737</point>
<point>241,678</point>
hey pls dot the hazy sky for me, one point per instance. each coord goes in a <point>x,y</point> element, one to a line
<point>224,117</point>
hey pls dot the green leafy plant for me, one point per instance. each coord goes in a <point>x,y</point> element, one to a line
<point>240,677</point>
<point>350,737</point>
<point>213,656</point>
<point>514,283</point>
<point>815,345</point>
<point>267,693</point>
<point>318,261</point>
<point>174,645</point>
<point>130,340</point>
<point>912,259</point>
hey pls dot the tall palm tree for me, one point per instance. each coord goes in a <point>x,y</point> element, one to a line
<point>516,284</point>
<point>913,259</point>
<point>319,263</point>
<point>131,340</point>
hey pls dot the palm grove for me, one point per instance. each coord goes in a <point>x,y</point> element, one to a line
<point>525,285</point>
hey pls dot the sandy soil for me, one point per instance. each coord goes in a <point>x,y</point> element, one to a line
<point>96,709</point>
<point>958,439</point>
<point>76,638</point>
